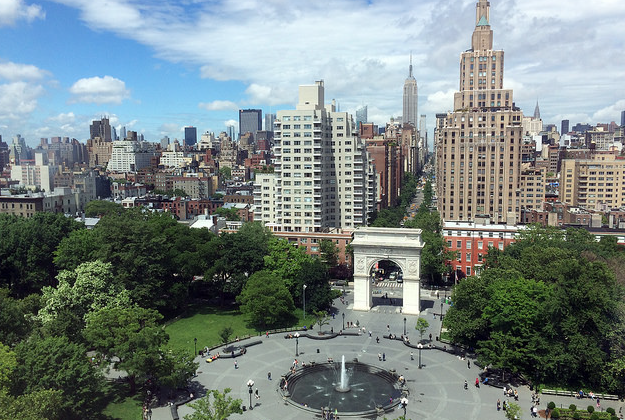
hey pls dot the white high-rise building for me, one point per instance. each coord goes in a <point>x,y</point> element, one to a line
<point>322,177</point>
<point>411,99</point>
<point>130,156</point>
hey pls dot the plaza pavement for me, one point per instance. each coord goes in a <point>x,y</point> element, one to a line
<point>436,390</point>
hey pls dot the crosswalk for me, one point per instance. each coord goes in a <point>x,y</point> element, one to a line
<point>390,284</point>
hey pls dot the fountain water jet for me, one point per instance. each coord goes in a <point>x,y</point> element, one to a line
<point>343,384</point>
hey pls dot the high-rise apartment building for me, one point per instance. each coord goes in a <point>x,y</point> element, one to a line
<point>269,119</point>
<point>322,174</point>
<point>250,120</point>
<point>411,99</point>
<point>478,145</point>
<point>190,136</point>
<point>622,118</point>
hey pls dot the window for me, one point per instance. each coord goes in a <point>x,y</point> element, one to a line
<point>468,257</point>
<point>480,245</point>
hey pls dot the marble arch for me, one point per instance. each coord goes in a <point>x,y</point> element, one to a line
<point>403,247</point>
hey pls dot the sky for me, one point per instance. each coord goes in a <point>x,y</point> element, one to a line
<point>156,66</point>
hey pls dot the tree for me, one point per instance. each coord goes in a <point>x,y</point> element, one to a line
<point>266,300</point>
<point>38,405</point>
<point>99,208</point>
<point>225,333</point>
<point>314,275</point>
<point>422,326</point>
<point>230,214</point>
<point>513,412</point>
<point>225,172</point>
<point>55,363</point>
<point>8,363</point>
<point>220,408</point>
<point>329,253</point>
<point>177,368</point>
<point>285,260</point>
<point>129,337</point>
<point>91,286</point>
<point>14,325</point>
<point>321,318</point>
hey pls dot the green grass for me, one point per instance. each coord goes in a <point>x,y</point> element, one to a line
<point>204,323</point>
<point>123,406</point>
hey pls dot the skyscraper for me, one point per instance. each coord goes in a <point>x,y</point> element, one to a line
<point>361,116</point>
<point>565,127</point>
<point>411,100</point>
<point>190,136</point>
<point>622,118</point>
<point>101,129</point>
<point>478,145</point>
<point>269,119</point>
<point>250,120</point>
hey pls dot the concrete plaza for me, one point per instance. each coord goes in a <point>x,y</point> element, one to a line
<point>435,392</point>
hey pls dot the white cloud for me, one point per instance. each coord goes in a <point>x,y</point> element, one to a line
<point>231,123</point>
<point>12,11</point>
<point>610,113</point>
<point>64,118</point>
<point>99,90</point>
<point>219,106</point>
<point>14,71</point>
<point>18,99</point>
<point>167,129</point>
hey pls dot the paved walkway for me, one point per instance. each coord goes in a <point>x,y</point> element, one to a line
<point>436,390</point>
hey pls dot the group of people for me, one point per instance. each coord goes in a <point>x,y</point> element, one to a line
<point>512,393</point>
<point>327,414</point>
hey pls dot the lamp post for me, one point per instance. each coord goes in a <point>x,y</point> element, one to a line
<point>420,347</point>
<point>403,403</point>
<point>304,295</point>
<point>404,326</point>
<point>441,310</point>
<point>250,385</point>
<point>297,344</point>
<point>343,320</point>
<point>195,347</point>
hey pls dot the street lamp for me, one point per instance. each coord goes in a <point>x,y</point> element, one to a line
<point>441,310</point>
<point>250,385</point>
<point>403,403</point>
<point>420,347</point>
<point>343,320</point>
<point>304,295</point>
<point>195,347</point>
<point>297,344</point>
<point>404,326</point>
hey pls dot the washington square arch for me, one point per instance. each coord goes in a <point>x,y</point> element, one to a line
<point>400,246</point>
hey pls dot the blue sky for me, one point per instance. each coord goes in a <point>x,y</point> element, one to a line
<point>156,66</point>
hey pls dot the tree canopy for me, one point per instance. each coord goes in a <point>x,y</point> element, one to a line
<point>266,300</point>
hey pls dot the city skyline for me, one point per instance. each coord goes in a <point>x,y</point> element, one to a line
<point>157,68</point>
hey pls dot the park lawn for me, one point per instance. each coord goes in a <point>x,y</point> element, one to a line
<point>204,323</point>
<point>123,406</point>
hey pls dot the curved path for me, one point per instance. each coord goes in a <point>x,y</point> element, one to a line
<point>436,390</point>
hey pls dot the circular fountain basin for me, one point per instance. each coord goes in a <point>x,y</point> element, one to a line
<point>369,389</point>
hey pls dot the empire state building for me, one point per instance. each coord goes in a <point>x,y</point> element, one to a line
<point>478,145</point>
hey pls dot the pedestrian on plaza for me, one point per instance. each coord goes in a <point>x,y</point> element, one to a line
<point>430,336</point>
<point>369,333</point>
<point>498,404</point>
<point>468,364</point>
<point>377,340</point>
<point>384,357</point>
<point>598,403</point>
<point>380,357</point>
<point>477,382</point>
<point>269,375</point>
<point>388,328</point>
<point>256,394</point>
<point>411,356</point>
<point>236,365</point>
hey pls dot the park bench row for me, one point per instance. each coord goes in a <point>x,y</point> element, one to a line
<point>563,393</point>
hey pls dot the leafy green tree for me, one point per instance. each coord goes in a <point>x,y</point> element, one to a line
<point>8,363</point>
<point>220,407</point>
<point>266,300</point>
<point>513,412</point>
<point>14,326</point>
<point>26,250</point>
<point>230,214</point>
<point>58,364</point>
<point>88,288</point>
<point>177,368</point>
<point>314,275</point>
<point>225,172</point>
<point>97,208</point>
<point>38,405</point>
<point>285,260</point>
<point>329,253</point>
<point>321,319</point>
<point>225,333</point>
<point>421,327</point>
<point>129,337</point>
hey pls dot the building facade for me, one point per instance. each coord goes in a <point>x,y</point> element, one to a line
<point>250,121</point>
<point>411,99</point>
<point>478,145</point>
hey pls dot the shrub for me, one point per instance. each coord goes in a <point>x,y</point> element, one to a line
<point>551,405</point>
<point>594,416</point>
<point>590,409</point>
<point>572,407</point>
<point>610,410</point>
<point>613,417</point>
<point>555,414</point>
<point>576,415</point>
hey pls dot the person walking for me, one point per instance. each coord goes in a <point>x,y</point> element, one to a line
<point>236,365</point>
<point>256,394</point>
<point>411,356</point>
<point>269,375</point>
<point>468,364</point>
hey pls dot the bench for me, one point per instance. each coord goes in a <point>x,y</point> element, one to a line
<point>549,392</point>
<point>607,397</point>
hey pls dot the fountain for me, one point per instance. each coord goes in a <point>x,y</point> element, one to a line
<point>343,385</point>
<point>352,388</point>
